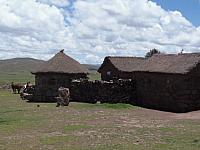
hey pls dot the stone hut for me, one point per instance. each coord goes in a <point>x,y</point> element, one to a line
<point>58,71</point>
<point>119,67</point>
<point>169,82</point>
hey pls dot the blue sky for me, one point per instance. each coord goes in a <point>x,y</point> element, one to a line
<point>189,8</point>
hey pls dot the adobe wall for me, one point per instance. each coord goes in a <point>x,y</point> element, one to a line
<point>115,74</point>
<point>106,68</point>
<point>176,93</point>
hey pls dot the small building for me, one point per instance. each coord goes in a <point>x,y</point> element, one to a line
<point>59,71</point>
<point>169,82</point>
<point>119,67</point>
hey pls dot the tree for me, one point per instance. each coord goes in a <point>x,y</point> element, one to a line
<point>152,52</point>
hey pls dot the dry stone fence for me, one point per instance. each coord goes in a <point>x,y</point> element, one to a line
<point>120,91</point>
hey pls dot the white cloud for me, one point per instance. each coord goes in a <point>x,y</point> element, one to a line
<point>32,27</point>
<point>58,3</point>
<point>90,30</point>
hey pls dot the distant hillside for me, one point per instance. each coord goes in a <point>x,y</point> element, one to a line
<point>28,64</point>
<point>92,67</point>
<point>19,64</point>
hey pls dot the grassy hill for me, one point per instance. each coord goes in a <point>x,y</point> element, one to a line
<point>92,67</point>
<point>18,70</point>
<point>20,64</point>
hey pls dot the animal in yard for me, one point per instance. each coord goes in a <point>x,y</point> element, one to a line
<point>16,87</point>
<point>27,90</point>
<point>64,96</point>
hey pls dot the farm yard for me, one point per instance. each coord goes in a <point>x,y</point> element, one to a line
<point>82,126</point>
<point>99,75</point>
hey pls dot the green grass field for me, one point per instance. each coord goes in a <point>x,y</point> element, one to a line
<point>17,77</point>
<point>94,76</point>
<point>24,77</point>
<point>93,127</point>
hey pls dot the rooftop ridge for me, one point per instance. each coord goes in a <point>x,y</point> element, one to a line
<point>123,57</point>
<point>62,63</point>
<point>163,63</point>
<point>178,54</point>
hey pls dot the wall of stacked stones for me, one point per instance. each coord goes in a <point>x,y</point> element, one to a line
<point>170,92</point>
<point>122,91</point>
<point>47,86</point>
<point>190,93</point>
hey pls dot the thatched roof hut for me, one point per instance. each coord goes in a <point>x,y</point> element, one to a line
<point>58,72</point>
<point>124,67</point>
<point>170,63</point>
<point>124,64</point>
<point>169,82</point>
<point>62,63</point>
<point>119,67</point>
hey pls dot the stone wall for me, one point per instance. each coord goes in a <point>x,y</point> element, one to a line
<point>46,89</point>
<point>114,73</point>
<point>46,86</point>
<point>169,92</point>
<point>121,91</point>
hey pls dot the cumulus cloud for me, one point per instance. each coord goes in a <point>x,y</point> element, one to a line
<point>58,3</point>
<point>30,27</point>
<point>90,30</point>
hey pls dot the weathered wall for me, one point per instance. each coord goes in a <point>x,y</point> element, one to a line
<point>168,92</point>
<point>195,71</point>
<point>105,92</point>
<point>46,86</point>
<point>176,93</point>
<point>85,91</point>
<point>115,73</point>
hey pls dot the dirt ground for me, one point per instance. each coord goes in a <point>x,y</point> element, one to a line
<point>94,127</point>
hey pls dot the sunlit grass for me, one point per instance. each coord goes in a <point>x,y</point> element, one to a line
<point>82,126</point>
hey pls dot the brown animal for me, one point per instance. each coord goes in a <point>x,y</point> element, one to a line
<point>16,87</point>
<point>64,96</point>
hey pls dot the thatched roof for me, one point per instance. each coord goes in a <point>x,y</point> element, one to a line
<point>124,64</point>
<point>171,63</point>
<point>158,63</point>
<point>61,63</point>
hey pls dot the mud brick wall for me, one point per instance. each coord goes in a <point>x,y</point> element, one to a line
<point>168,92</point>
<point>121,91</point>
<point>114,73</point>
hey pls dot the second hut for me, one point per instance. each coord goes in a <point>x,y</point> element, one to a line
<point>59,71</point>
